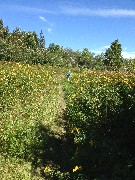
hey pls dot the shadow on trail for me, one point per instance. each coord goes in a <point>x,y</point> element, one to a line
<point>53,151</point>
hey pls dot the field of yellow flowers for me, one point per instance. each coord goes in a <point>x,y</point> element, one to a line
<point>101,115</point>
<point>30,106</point>
<point>99,110</point>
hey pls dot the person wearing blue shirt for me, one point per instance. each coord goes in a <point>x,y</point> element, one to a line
<point>68,75</point>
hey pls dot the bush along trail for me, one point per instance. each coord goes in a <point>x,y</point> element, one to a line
<point>31,121</point>
<point>101,118</point>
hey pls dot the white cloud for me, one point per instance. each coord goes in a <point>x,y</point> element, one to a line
<point>100,50</point>
<point>105,47</point>
<point>50,30</point>
<point>125,53</point>
<point>98,12</point>
<point>128,55</point>
<point>116,12</point>
<point>96,52</point>
<point>26,9</point>
<point>43,19</point>
<point>70,10</point>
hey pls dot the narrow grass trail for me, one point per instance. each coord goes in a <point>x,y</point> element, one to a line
<point>57,148</point>
<point>66,143</point>
<point>63,126</point>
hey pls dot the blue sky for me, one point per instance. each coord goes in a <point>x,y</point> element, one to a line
<point>75,24</point>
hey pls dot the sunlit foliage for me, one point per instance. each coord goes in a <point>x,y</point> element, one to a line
<point>101,115</point>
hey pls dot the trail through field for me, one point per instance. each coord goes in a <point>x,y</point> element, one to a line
<point>64,149</point>
<point>57,147</point>
<point>64,145</point>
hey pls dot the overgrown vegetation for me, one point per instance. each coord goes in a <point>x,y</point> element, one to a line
<point>30,105</point>
<point>55,129</point>
<point>101,115</point>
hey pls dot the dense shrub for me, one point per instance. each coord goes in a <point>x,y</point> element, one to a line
<point>28,99</point>
<point>101,111</point>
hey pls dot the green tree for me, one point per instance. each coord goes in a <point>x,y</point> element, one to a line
<point>131,65</point>
<point>54,55</point>
<point>71,58</point>
<point>113,57</point>
<point>42,40</point>
<point>85,58</point>
<point>98,62</point>
<point>3,30</point>
<point>31,40</point>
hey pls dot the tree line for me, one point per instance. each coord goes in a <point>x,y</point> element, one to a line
<point>27,47</point>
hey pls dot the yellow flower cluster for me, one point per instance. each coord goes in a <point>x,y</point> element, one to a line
<point>75,130</point>
<point>76,168</point>
<point>47,169</point>
<point>31,85</point>
<point>89,79</point>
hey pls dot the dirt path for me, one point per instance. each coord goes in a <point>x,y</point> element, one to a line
<point>66,146</point>
<point>64,152</point>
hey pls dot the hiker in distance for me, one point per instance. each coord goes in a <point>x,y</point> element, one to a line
<point>68,75</point>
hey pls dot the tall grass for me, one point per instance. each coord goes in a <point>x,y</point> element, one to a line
<point>30,106</point>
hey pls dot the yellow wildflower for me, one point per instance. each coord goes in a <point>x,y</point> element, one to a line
<point>76,168</point>
<point>47,169</point>
<point>77,129</point>
<point>72,131</point>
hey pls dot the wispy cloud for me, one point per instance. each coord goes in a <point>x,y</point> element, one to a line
<point>50,30</point>
<point>26,9</point>
<point>74,11</point>
<point>50,25</point>
<point>43,19</point>
<point>98,12</point>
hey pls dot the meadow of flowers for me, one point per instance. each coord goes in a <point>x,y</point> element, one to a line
<point>30,106</point>
<point>97,109</point>
<point>101,115</point>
